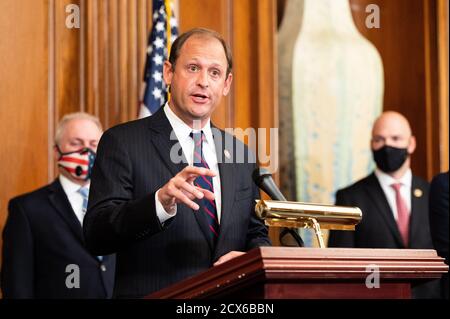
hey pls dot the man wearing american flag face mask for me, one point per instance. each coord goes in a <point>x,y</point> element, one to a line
<point>44,255</point>
<point>77,163</point>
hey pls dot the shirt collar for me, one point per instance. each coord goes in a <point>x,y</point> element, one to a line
<point>68,186</point>
<point>387,180</point>
<point>182,130</point>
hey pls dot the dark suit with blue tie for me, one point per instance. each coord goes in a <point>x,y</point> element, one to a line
<point>132,163</point>
<point>41,238</point>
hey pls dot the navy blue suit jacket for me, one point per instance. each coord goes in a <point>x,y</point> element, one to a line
<point>42,236</point>
<point>132,163</point>
<point>378,228</point>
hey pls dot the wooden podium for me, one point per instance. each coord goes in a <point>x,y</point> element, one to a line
<point>312,273</point>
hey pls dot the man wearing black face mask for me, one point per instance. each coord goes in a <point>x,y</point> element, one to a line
<point>394,203</point>
<point>44,254</point>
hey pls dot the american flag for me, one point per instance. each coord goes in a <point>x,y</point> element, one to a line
<point>157,52</point>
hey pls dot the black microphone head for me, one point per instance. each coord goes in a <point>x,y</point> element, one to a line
<point>259,174</point>
<point>263,179</point>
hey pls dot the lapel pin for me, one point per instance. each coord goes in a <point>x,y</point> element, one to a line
<point>227,154</point>
<point>418,192</point>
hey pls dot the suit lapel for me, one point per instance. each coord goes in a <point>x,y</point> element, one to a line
<point>418,205</point>
<point>165,144</point>
<point>226,169</point>
<point>59,200</point>
<point>375,192</point>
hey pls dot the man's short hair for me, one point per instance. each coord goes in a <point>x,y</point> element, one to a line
<point>178,44</point>
<point>74,116</point>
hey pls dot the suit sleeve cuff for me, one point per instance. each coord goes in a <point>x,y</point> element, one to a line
<point>162,214</point>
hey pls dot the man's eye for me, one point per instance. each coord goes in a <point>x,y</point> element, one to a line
<point>378,139</point>
<point>215,73</point>
<point>193,68</point>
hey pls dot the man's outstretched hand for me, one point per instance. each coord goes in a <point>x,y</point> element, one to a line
<point>181,188</point>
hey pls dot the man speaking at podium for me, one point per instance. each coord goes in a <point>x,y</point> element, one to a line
<point>168,220</point>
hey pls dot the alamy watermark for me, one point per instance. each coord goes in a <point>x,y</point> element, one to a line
<point>73,277</point>
<point>373,279</point>
<point>73,17</point>
<point>260,148</point>
<point>373,19</point>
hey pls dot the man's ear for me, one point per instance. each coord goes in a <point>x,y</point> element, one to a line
<point>167,72</point>
<point>412,145</point>
<point>227,86</point>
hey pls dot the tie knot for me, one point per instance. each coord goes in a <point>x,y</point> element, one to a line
<point>197,136</point>
<point>396,186</point>
<point>84,191</point>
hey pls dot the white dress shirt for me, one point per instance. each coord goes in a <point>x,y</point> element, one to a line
<point>75,198</point>
<point>182,132</point>
<point>405,190</point>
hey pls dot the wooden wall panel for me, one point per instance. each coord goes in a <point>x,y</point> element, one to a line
<point>103,58</point>
<point>266,69</point>
<point>442,12</point>
<point>255,102</point>
<point>115,37</point>
<point>24,97</point>
<point>66,61</point>
<point>143,28</point>
<point>249,27</point>
<point>213,15</point>
<point>113,98</point>
<point>91,56</point>
<point>245,78</point>
<point>407,42</point>
<point>255,99</point>
<point>431,88</point>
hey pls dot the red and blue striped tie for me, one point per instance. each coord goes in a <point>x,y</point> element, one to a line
<point>205,182</point>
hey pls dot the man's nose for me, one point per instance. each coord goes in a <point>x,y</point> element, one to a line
<point>202,79</point>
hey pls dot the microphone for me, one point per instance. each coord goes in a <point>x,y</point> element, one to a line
<point>263,179</point>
